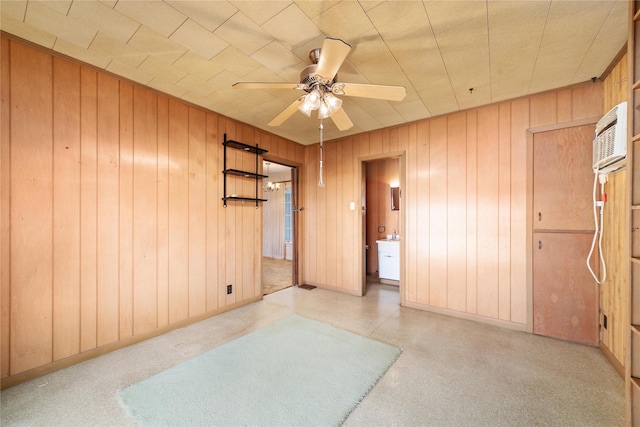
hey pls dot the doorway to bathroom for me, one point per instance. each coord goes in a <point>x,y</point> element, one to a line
<point>278,227</point>
<point>382,221</point>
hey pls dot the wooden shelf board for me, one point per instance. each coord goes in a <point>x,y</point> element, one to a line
<point>245,147</point>
<point>245,174</point>
<point>250,199</point>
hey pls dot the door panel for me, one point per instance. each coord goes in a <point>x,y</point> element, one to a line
<point>563,179</point>
<point>565,296</point>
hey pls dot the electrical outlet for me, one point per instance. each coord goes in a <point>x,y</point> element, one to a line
<point>229,289</point>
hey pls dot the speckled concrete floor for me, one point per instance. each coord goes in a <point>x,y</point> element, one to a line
<point>452,372</point>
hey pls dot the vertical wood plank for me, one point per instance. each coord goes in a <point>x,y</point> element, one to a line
<point>88,208</point>
<point>66,209</point>
<point>107,209</point>
<point>233,250</point>
<point>126,210</point>
<point>488,202</point>
<point>332,241</point>
<point>587,101</point>
<point>456,215</point>
<point>504,211</point>
<point>222,225</point>
<point>5,207</point>
<point>519,190</point>
<point>197,212</point>
<point>438,224</point>
<point>247,255</point>
<point>214,204</point>
<point>472,211</point>
<point>145,202</point>
<point>418,216</point>
<point>564,105</point>
<point>543,109</point>
<point>310,260</point>
<point>339,206</point>
<point>178,212</point>
<point>31,208</point>
<point>163,210</point>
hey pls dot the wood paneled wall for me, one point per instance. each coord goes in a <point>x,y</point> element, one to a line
<point>465,195</point>
<point>380,174</point>
<point>615,247</point>
<point>113,228</point>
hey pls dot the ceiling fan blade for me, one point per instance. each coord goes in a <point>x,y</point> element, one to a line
<point>265,85</point>
<point>332,55</point>
<point>287,112</point>
<point>342,121</point>
<point>390,93</point>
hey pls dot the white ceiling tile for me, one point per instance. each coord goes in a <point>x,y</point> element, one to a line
<point>197,39</point>
<point>25,31</point>
<point>411,14</point>
<point>315,8</point>
<point>47,19</point>
<point>169,74</point>
<point>128,72</point>
<point>595,61</point>
<point>260,11</point>
<point>292,27</point>
<point>233,60</point>
<point>195,84</point>
<point>346,20</point>
<point>110,3</point>
<point>243,33</point>
<point>155,14</point>
<point>60,6</point>
<point>14,9</point>
<point>104,18</point>
<point>166,87</point>
<point>209,14</point>
<point>278,58</point>
<point>155,44</point>
<point>97,59</point>
<point>194,64</point>
<point>109,48</point>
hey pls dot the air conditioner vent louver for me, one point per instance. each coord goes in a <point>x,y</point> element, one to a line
<point>610,143</point>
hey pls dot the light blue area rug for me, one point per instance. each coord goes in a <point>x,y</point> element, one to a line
<point>295,372</point>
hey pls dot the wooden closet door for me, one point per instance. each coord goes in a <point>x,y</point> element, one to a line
<point>565,296</point>
<point>563,179</point>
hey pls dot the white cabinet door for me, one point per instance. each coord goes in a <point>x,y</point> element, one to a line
<point>389,266</point>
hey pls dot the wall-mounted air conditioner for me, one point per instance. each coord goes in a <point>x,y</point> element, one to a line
<point>610,143</point>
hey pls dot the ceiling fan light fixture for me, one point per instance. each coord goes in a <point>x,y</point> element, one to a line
<point>323,111</point>
<point>333,103</point>
<point>305,108</point>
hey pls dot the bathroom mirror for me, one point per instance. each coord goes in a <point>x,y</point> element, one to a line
<point>395,199</point>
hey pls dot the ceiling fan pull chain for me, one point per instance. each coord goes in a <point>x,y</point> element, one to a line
<point>320,183</point>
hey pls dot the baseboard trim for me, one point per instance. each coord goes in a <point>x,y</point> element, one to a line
<point>520,327</point>
<point>612,359</point>
<point>31,374</point>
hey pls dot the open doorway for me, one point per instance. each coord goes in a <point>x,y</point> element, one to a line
<point>278,246</point>
<point>382,222</point>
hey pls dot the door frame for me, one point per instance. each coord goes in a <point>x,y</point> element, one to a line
<point>296,209</point>
<point>529,222</point>
<point>362,223</point>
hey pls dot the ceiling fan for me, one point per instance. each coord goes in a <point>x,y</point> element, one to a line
<point>319,81</point>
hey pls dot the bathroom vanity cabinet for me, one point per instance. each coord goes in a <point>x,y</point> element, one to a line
<point>389,259</point>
